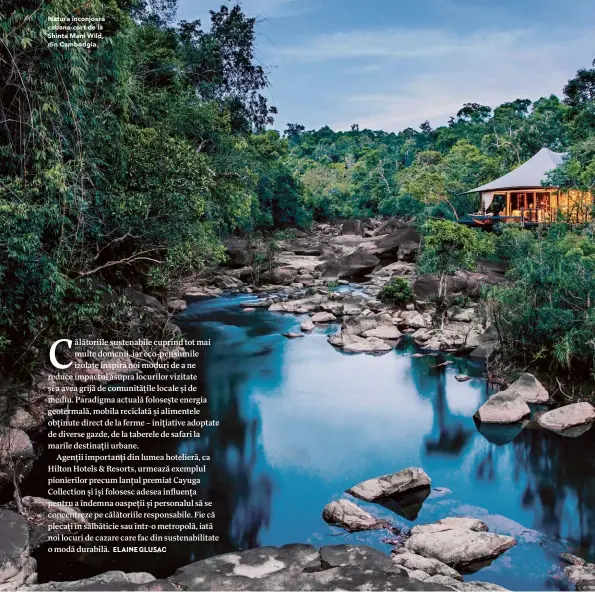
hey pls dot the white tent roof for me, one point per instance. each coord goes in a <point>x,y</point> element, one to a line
<point>529,174</point>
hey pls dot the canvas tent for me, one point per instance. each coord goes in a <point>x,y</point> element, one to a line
<point>529,175</point>
<point>524,196</point>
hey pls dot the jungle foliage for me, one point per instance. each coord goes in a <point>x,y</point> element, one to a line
<point>128,163</point>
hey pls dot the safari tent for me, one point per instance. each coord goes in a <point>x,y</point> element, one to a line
<point>521,196</point>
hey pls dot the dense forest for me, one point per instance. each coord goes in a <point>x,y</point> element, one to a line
<point>132,161</point>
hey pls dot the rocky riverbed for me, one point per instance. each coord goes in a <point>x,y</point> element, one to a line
<point>329,282</point>
<point>307,270</point>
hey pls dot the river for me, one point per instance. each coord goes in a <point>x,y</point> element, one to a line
<point>301,422</point>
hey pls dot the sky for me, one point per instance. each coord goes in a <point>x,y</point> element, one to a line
<point>392,64</point>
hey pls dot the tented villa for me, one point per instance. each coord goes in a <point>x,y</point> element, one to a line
<point>519,196</point>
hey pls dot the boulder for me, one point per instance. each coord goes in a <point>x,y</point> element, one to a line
<point>572,559</point>
<point>201,292</point>
<point>23,420</point>
<point>459,547</point>
<point>432,567</point>
<point>307,325</point>
<point>301,246</point>
<point>237,251</point>
<point>352,227</point>
<point>323,317</point>
<point>277,307</point>
<point>582,576</point>
<point>449,523</point>
<point>282,276</point>
<point>176,305</point>
<point>303,305</point>
<point>465,315</point>
<point>53,512</point>
<point>16,566</point>
<point>376,306</point>
<point>353,304</point>
<point>571,420</point>
<point>228,282</point>
<point>144,300</point>
<point>109,580</point>
<point>292,335</point>
<point>298,567</point>
<point>462,377</point>
<point>447,582</point>
<point>355,325</point>
<point>355,344</point>
<point>349,516</point>
<point>503,407</point>
<point>335,308</point>
<point>485,350</point>
<point>354,264</point>
<point>412,319</point>
<point>14,444</point>
<point>389,332</point>
<point>262,303</point>
<point>406,240</point>
<point>390,226</point>
<point>529,388</point>
<point>401,482</point>
<point>395,268</point>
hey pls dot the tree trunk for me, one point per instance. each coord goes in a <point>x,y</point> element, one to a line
<point>441,302</point>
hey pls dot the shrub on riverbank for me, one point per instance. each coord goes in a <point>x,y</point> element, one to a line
<point>398,291</point>
<point>546,313</point>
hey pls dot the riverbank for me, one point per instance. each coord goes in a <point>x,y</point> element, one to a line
<point>338,294</point>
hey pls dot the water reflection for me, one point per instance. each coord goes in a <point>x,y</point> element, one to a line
<point>326,420</point>
<point>301,423</point>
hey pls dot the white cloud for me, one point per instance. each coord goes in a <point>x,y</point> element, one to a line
<point>429,73</point>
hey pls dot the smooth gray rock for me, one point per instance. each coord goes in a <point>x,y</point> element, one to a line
<point>356,325</point>
<point>353,264</point>
<point>177,305</point>
<point>298,567</point>
<point>401,482</point>
<point>262,303</point>
<point>449,523</point>
<point>14,444</point>
<point>412,319</point>
<point>582,576</point>
<point>359,345</point>
<point>572,559</point>
<point>530,389</point>
<point>292,335</point>
<point>352,227</point>
<point>16,566</point>
<point>432,567</point>
<point>389,332</point>
<point>465,586</point>
<point>349,516</point>
<point>323,317</point>
<point>503,407</point>
<point>23,420</point>
<point>110,580</point>
<point>571,420</point>
<point>460,547</point>
<point>53,512</point>
<point>307,325</point>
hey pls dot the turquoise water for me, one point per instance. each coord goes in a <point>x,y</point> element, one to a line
<point>303,422</point>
